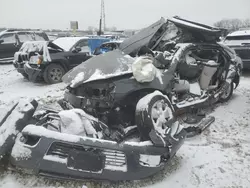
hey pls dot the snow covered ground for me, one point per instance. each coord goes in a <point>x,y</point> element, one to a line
<point>220,158</point>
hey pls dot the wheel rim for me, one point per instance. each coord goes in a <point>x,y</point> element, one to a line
<point>227,92</point>
<point>56,74</point>
<point>161,113</point>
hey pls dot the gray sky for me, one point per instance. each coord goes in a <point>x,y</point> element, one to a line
<point>124,14</point>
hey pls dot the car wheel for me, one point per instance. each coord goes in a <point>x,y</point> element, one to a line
<point>155,113</point>
<point>227,93</point>
<point>53,73</point>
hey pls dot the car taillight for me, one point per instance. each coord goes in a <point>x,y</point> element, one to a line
<point>40,60</point>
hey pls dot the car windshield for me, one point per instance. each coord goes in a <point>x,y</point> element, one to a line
<point>240,37</point>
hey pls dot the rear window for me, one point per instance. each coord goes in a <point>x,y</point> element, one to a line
<point>241,37</point>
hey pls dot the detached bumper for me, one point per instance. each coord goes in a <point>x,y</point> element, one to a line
<point>60,155</point>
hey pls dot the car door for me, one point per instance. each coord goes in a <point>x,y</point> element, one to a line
<point>8,46</point>
<point>79,53</point>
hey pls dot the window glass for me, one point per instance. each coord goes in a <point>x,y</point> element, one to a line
<point>24,37</point>
<point>38,37</point>
<point>83,45</point>
<point>8,39</point>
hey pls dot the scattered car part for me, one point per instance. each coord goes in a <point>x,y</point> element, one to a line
<point>198,129</point>
<point>12,122</point>
<point>93,156</point>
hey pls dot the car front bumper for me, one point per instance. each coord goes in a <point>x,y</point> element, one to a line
<point>26,68</point>
<point>59,155</point>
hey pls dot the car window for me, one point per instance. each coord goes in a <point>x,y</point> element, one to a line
<point>83,44</point>
<point>38,37</point>
<point>8,39</point>
<point>24,37</point>
<point>240,37</point>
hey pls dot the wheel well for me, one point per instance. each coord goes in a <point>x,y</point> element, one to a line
<point>135,96</point>
<point>62,64</point>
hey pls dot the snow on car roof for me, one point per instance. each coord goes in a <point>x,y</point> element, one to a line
<point>193,25</point>
<point>240,33</point>
<point>67,42</point>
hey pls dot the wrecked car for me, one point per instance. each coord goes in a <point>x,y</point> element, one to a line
<point>179,58</point>
<point>49,61</point>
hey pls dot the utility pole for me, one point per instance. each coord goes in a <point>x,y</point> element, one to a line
<point>102,24</point>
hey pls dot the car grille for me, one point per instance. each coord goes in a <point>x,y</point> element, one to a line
<point>114,160</point>
<point>23,57</point>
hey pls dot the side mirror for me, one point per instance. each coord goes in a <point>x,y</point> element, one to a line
<point>1,41</point>
<point>76,50</point>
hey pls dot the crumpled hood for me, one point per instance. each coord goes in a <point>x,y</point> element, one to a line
<point>110,64</point>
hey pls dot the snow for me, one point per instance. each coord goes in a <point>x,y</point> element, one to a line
<point>41,131</point>
<point>191,24</point>
<point>79,78</point>
<point>240,33</point>
<point>8,127</point>
<point>150,160</point>
<point>66,43</point>
<point>55,159</point>
<point>13,87</point>
<point>98,75</point>
<point>35,46</point>
<point>143,103</point>
<point>219,158</point>
<point>19,151</point>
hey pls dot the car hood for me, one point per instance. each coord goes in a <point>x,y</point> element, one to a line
<point>110,64</point>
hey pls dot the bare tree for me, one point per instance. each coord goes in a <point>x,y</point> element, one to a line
<point>233,24</point>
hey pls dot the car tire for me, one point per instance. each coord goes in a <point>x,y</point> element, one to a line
<point>228,94</point>
<point>53,73</point>
<point>146,117</point>
<point>26,76</point>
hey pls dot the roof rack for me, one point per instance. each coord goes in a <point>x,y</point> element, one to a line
<point>16,29</point>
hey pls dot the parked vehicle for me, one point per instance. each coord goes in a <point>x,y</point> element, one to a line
<point>49,61</point>
<point>240,42</point>
<point>179,58</point>
<point>107,47</point>
<point>11,40</point>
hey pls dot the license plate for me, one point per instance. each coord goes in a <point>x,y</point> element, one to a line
<point>90,161</point>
